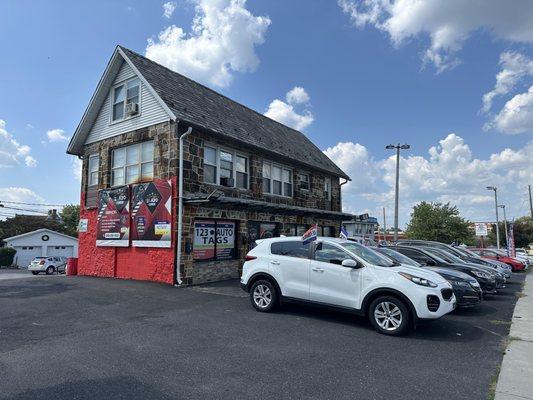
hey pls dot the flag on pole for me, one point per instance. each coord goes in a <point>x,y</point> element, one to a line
<point>344,233</point>
<point>510,241</point>
<point>311,234</point>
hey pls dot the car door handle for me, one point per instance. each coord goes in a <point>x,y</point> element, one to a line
<point>274,262</point>
<point>316,269</point>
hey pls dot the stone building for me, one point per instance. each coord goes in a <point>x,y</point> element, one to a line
<point>245,175</point>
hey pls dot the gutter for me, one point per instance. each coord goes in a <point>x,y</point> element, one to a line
<point>180,208</point>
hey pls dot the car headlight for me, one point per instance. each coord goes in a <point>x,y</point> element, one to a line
<point>418,280</point>
<point>460,283</point>
<point>480,274</point>
<point>474,283</point>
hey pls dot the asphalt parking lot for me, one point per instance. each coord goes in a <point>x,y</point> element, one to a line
<point>93,338</point>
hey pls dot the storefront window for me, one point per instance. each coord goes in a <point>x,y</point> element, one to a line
<point>214,240</point>
<point>261,230</point>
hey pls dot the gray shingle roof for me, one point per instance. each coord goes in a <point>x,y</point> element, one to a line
<point>203,107</point>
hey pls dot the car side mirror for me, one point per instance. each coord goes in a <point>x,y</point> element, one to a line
<point>431,262</point>
<point>350,263</point>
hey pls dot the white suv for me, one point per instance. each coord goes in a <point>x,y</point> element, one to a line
<point>345,275</point>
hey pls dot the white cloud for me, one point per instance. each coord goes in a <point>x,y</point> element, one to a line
<point>56,135</point>
<point>19,194</point>
<point>514,67</point>
<point>516,116</point>
<point>297,95</point>
<point>221,42</point>
<point>168,8</point>
<point>76,168</point>
<point>286,113</point>
<point>11,151</point>
<point>447,24</point>
<point>449,172</point>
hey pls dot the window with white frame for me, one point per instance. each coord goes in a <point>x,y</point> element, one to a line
<point>94,163</point>
<point>327,188</point>
<point>124,94</point>
<point>225,167</point>
<point>277,180</point>
<point>133,164</point>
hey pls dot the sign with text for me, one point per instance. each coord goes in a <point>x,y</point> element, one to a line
<point>481,229</point>
<point>214,239</point>
<point>152,214</point>
<point>83,225</point>
<point>113,220</point>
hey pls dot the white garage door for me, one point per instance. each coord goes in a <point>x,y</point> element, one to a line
<point>60,251</point>
<point>25,254</point>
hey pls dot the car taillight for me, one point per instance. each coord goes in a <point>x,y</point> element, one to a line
<point>250,258</point>
<point>42,262</point>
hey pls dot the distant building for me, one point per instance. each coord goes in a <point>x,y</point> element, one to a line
<point>363,226</point>
<point>41,243</point>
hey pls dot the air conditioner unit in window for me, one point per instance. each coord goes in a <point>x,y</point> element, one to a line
<point>132,109</point>
<point>228,182</point>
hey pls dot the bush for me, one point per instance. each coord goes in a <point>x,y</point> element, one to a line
<point>7,254</point>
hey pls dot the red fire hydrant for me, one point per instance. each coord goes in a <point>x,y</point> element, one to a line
<point>72,266</point>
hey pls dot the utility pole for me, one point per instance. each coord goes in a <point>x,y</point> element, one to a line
<point>497,220</point>
<point>502,206</point>
<point>384,225</point>
<point>396,196</point>
<point>530,202</point>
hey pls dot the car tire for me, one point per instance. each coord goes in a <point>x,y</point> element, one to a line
<point>49,270</point>
<point>263,295</point>
<point>389,315</point>
<point>35,272</point>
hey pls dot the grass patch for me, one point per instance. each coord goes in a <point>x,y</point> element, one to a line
<point>499,322</point>
<point>493,384</point>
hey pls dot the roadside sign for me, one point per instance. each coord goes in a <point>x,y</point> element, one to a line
<point>481,229</point>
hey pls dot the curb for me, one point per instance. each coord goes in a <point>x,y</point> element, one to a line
<point>515,381</point>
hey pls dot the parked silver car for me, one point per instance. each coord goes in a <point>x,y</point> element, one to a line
<point>49,265</point>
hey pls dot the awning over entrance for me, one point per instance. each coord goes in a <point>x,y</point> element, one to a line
<point>263,206</point>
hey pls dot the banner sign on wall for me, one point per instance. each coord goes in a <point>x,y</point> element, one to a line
<point>214,239</point>
<point>113,220</point>
<point>152,214</point>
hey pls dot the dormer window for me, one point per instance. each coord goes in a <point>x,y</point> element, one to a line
<point>126,100</point>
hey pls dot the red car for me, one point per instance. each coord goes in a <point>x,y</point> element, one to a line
<point>492,255</point>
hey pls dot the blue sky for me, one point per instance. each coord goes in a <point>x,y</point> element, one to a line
<point>369,75</point>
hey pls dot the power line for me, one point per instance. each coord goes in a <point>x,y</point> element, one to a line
<point>33,204</point>
<point>25,209</point>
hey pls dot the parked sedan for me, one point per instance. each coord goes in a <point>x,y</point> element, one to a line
<point>466,289</point>
<point>49,265</point>
<point>428,257</point>
<point>493,255</point>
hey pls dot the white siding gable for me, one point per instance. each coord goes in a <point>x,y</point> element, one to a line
<point>151,112</point>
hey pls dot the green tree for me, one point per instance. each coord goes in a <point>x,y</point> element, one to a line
<point>438,222</point>
<point>70,216</point>
<point>523,232</point>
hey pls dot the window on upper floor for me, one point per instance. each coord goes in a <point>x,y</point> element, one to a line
<point>94,163</point>
<point>327,188</point>
<point>277,180</point>
<point>225,167</point>
<point>132,164</point>
<point>125,97</point>
<point>305,181</point>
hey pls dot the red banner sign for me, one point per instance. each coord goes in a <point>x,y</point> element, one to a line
<point>152,214</point>
<point>113,220</point>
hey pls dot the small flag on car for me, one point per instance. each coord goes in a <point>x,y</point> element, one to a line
<point>311,234</point>
<point>344,233</point>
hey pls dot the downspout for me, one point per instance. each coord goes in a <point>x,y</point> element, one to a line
<point>180,209</point>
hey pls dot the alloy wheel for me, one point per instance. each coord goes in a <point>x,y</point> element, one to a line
<point>388,316</point>
<point>262,296</point>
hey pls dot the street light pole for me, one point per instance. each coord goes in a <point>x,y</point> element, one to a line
<point>397,190</point>
<point>497,220</point>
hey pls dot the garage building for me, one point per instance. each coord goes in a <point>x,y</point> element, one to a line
<point>42,242</point>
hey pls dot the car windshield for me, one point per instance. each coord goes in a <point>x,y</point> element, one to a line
<point>468,252</point>
<point>39,258</point>
<point>449,256</point>
<point>436,254</point>
<point>398,256</point>
<point>367,254</point>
